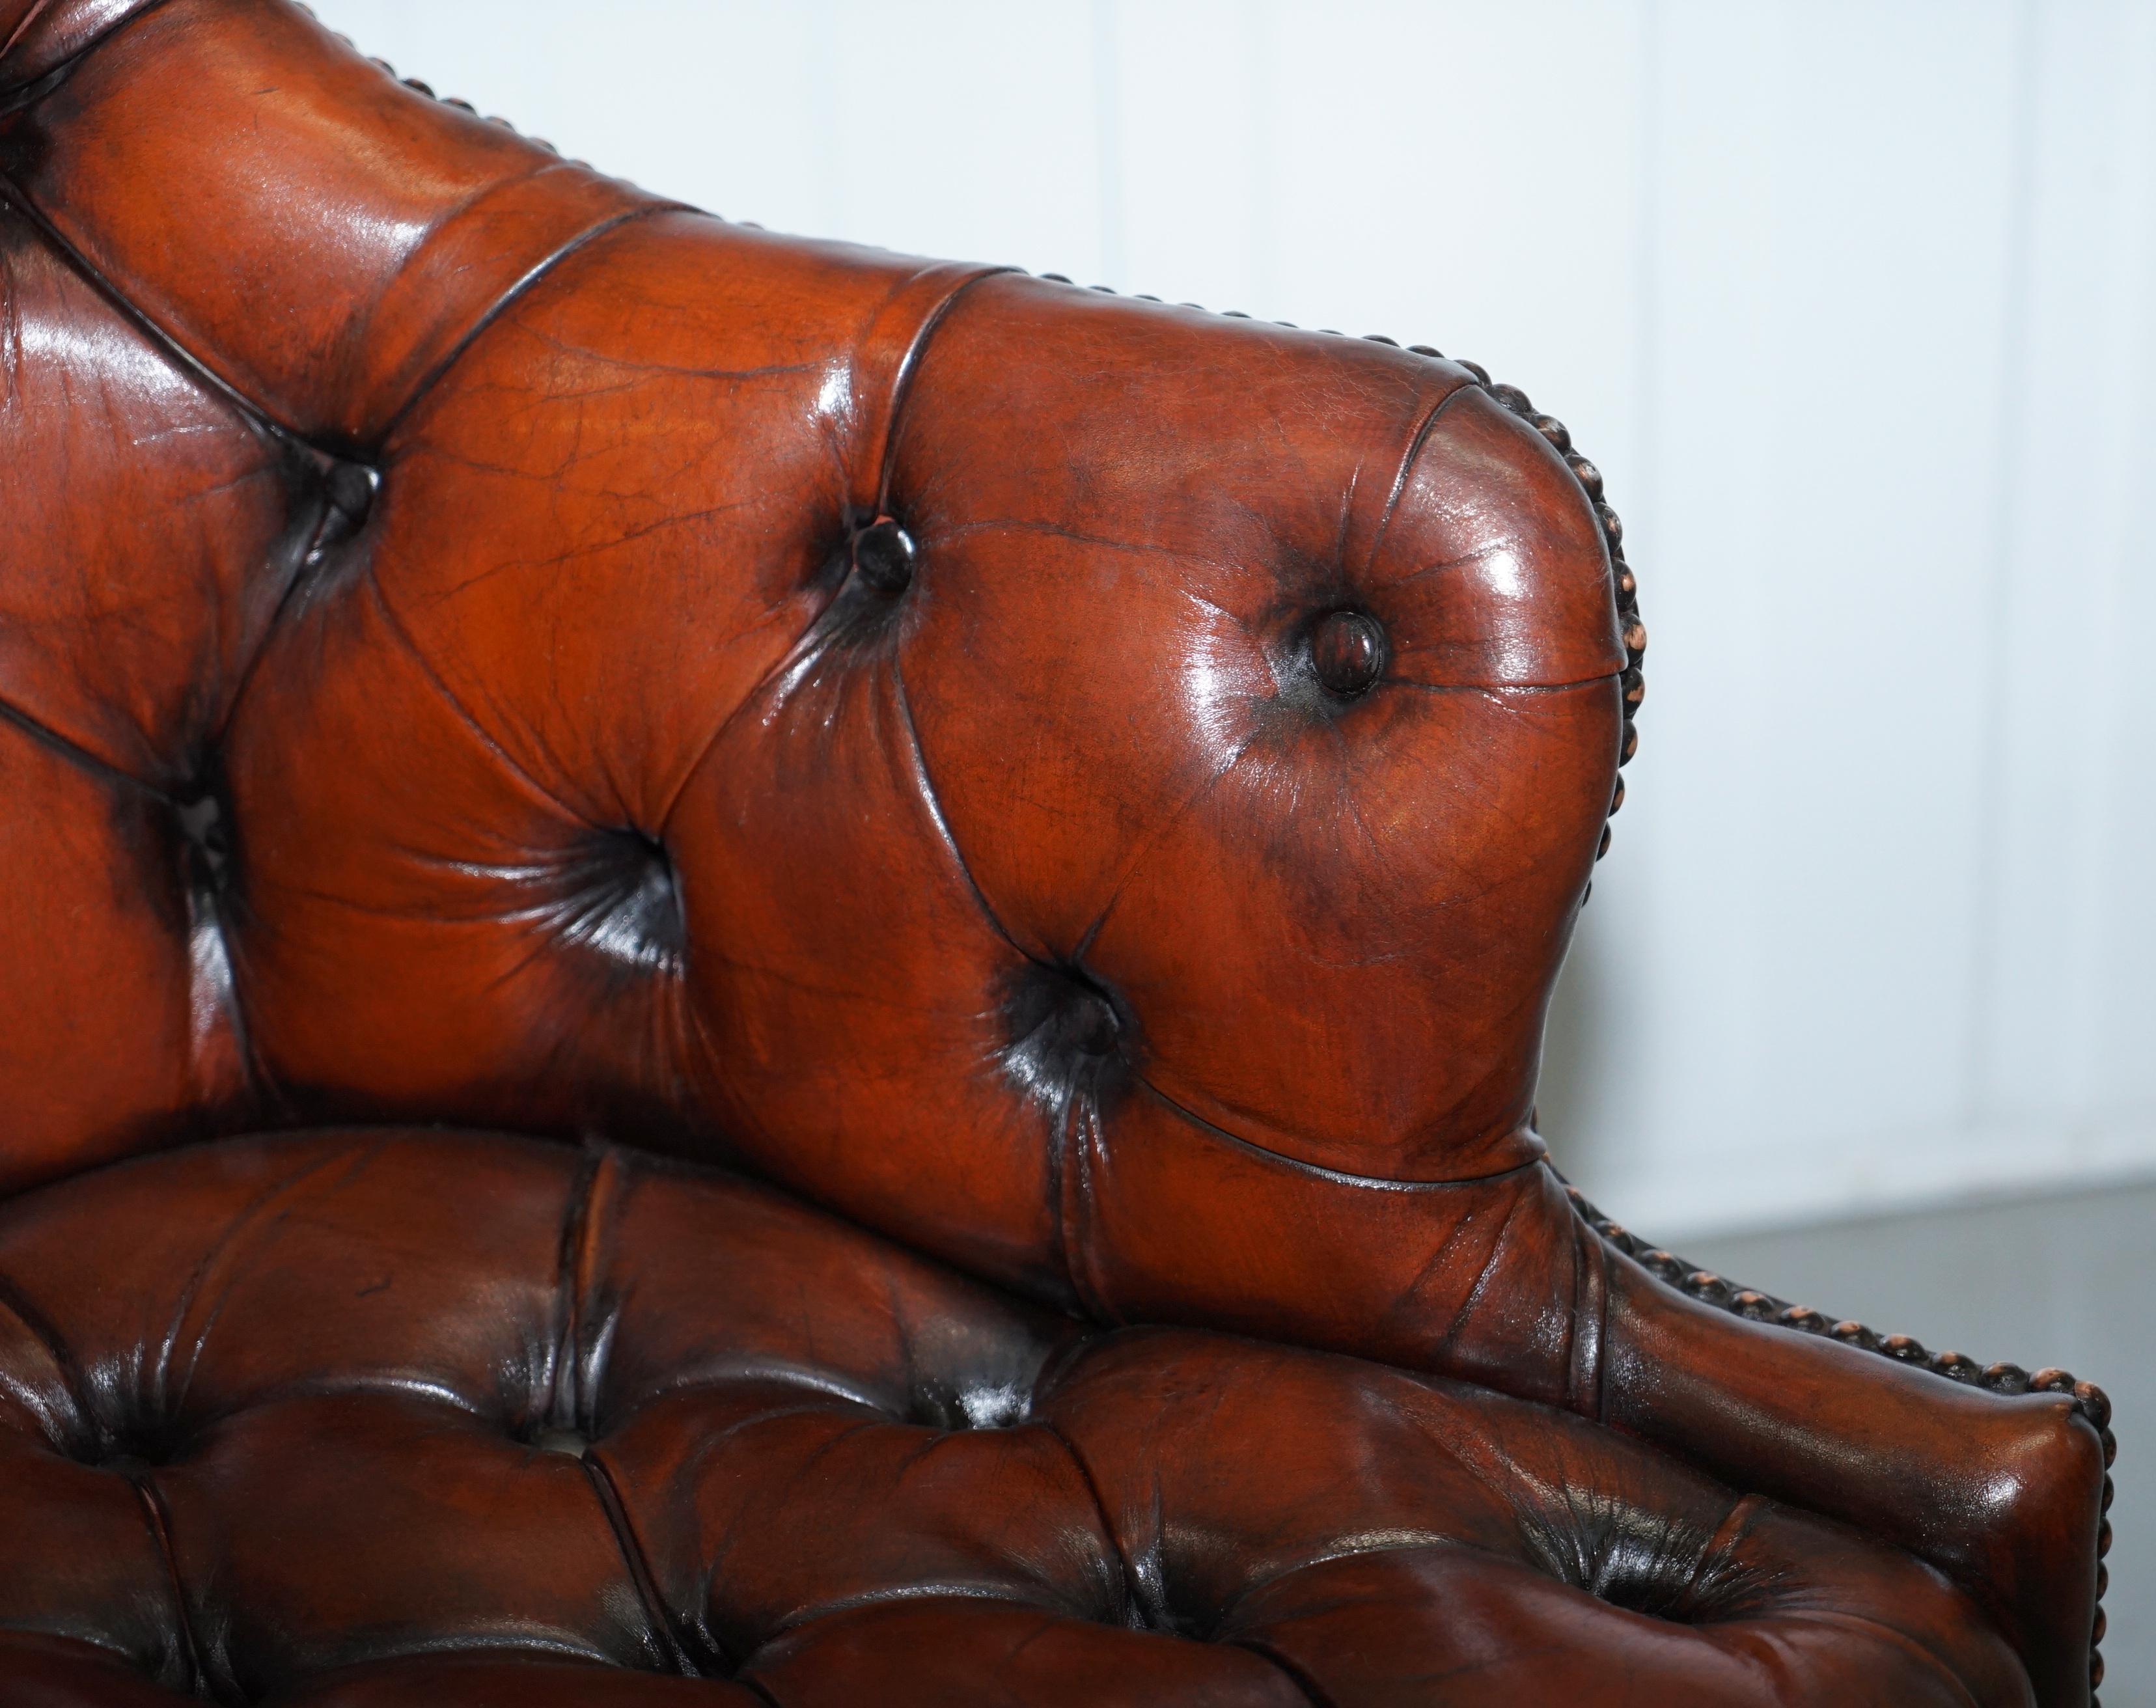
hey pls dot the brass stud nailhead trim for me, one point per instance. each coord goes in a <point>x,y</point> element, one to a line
<point>1709,1288</point>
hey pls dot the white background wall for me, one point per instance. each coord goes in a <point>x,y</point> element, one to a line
<point>1855,303</point>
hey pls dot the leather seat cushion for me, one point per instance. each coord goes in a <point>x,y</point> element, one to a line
<point>354,1418</point>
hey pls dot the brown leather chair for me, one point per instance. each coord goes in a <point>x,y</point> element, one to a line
<point>742,971</point>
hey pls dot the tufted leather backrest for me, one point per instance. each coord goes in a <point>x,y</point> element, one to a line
<point>485,644</point>
<point>1095,790</point>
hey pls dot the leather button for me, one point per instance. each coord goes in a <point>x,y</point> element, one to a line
<point>884,555</point>
<point>1064,1029</point>
<point>203,826</point>
<point>352,488</point>
<point>1092,1025</point>
<point>1349,650</point>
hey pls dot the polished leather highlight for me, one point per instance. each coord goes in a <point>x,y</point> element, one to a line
<point>1085,799</point>
<point>803,1449</point>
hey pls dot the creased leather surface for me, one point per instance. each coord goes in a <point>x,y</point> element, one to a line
<point>311,1421</point>
<point>483,646</point>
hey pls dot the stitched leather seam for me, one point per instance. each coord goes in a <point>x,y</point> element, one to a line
<point>82,759</point>
<point>1683,1279</point>
<point>1423,1543</point>
<point>932,801</point>
<point>1941,1670</point>
<point>287,559</point>
<point>53,75</point>
<point>1448,1342</point>
<point>1307,1686</point>
<point>945,1589</point>
<point>1124,1571</point>
<point>564,1402</point>
<point>79,757</point>
<point>810,643</point>
<point>43,1331</point>
<point>25,95</point>
<point>901,384</point>
<point>36,12</point>
<point>1076,1145</point>
<point>757,1690</point>
<point>1371,1182</point>
<point>806,647</point>
<point>1575,1341</point>
<point>1407,467</point>
<point>532,276</point>
<point>1061,1178</point>
<point>1064,1212</point>
<point>657,1616</point>
<point>826,1392</point>
<point>338,1387</point>
<point>1591,1315</point>
<point>1143,849</point>
<point>12,195</point>
<point>1735,1526</point>
<point>221,913</point>
<point>404,638</point>
<point>159,1523</point>
<point>1601,1381</point>
<point>272,1203</point>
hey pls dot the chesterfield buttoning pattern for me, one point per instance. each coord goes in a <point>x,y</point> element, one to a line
<point>741,971</point>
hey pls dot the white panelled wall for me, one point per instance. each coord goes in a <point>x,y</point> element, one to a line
<point>1854,301</point>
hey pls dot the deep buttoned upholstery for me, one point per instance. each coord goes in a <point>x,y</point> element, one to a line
<point>746,970</point>
<point>653,1416</point>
